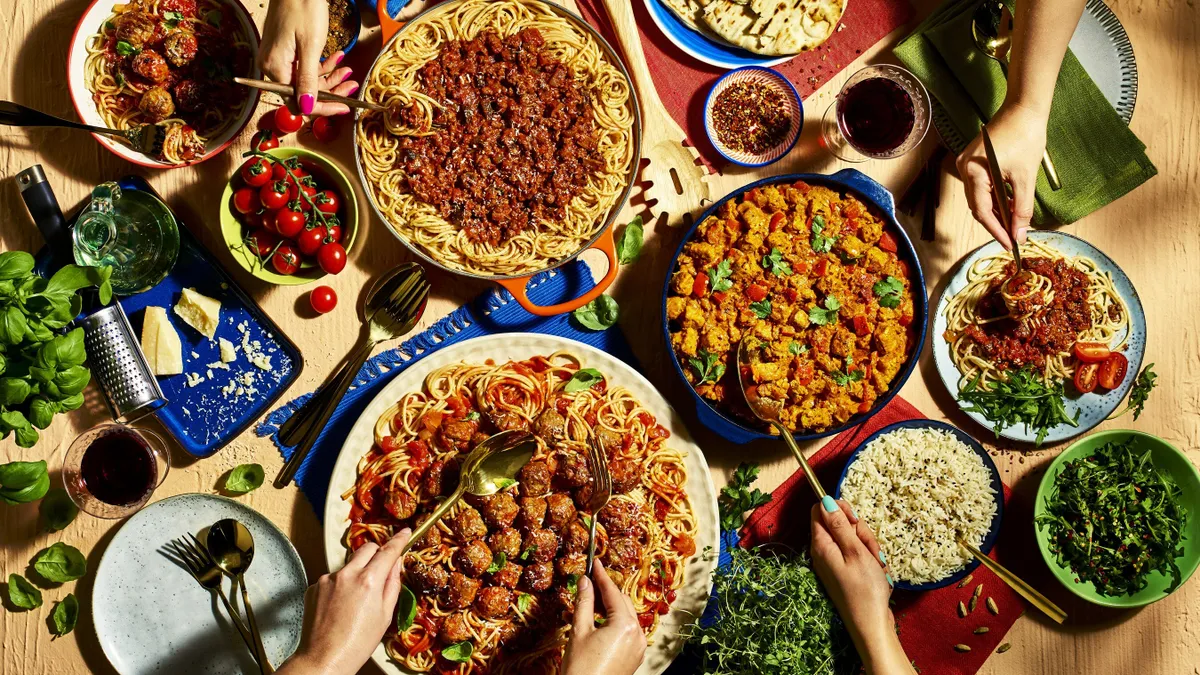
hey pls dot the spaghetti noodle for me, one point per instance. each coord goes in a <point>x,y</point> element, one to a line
<point>498,573</point>
<point>998,322</point>
<point>507,139</point>
<point>170,63</point>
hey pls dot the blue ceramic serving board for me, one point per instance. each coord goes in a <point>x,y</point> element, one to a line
<point>204,417</point>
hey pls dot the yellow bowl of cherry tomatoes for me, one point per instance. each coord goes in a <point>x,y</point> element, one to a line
<point>289,216</point>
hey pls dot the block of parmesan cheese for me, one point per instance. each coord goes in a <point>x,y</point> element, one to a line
<point>199,311</point>
<point>160,343</point>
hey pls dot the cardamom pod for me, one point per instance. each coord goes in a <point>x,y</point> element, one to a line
<point>964,582</point>
<point>973,603</point>
<point>981,630</point>
<point>1004,647</point>
<point>991,605</point>
<point>962,648</point>
<point>962,609</point>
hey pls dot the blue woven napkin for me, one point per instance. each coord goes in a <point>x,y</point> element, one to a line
<point>493,312</point>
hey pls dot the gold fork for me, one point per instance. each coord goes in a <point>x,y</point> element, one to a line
<point>195,558</point>
<point>597,462</point>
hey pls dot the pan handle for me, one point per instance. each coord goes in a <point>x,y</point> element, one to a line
<point>387,24</point>
<point>604,244</point>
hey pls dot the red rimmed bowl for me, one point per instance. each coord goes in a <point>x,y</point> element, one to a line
<point>90,24</point>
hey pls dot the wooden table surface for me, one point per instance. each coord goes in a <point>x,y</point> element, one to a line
<point>1154,234</point>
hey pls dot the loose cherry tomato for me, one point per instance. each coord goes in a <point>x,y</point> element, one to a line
<point>287,122</point>
<point>310,241</point>
<point>323,300</point>
<point>1112,371</point>
<point>332,258</point>
<point>286,259</point>
<point>1086,376</point>
<point>289,223</point>
<point>266,219</point>
<point>262,242</point>
<point>324,129</point>
<point>265,140</point>
<point>887,242</point>
<point>700,285</point>
<point>274,195</point>
<point>256,172</point>
<point>246,200</point>
<point>756,292</point>
<point>1091,352</point>
<point>327,201</point>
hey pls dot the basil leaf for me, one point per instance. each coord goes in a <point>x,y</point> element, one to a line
<point>33,492</point>
<point>599,314</point>
<point>23,594</point>
<point>41,411</point>
<point>406,609</point>
<point>629,247</point>
<point>15,264</point>
<point>245,478</point>
<point>583,379</point>
<point>573,584</point>
<point>125,49</point>
<point>459,652</point>
<point>12,326</point>
<point>72,380</point>
<point>172,19</point>
<point>213,18</point>
<point>498,562</point>
<point>57,510</point>
<point>524,600</point>
<point>23,482</point>
<point>66,613</point>
<point>60,563</point>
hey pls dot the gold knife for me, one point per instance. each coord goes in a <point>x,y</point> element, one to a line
<point>287,90</point>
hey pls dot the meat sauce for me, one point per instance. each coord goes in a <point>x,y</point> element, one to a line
<point>514,139</point>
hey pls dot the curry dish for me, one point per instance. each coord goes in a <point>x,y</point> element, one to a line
<point>812,275</point>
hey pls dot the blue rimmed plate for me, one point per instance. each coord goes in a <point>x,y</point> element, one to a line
<point>1093,408</point>
<point>989,540</point>
<point>774,80</point>
<point>703,48</point>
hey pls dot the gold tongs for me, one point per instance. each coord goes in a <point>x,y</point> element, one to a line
<point>1000,195</point>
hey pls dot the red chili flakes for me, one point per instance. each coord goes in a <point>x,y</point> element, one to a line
<point>751,117</point>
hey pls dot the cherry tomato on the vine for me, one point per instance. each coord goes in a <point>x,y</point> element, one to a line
<point>262,242</point>
<point>332,258</point>
<point>273,195</point>
<point>256,172</point>
<point>306,185</point>
<point>322,298</point>
<point>334,231</point>
<point>327,201</point>
<point>287,122</point>
<point>289,222</point>
<point>324,129</point>
<point>311,241</point>
<point>246,200</point>
<point>286,259</point>
<point>264,140</point>
<point>288,169</point>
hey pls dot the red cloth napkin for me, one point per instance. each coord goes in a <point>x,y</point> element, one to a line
<point>929,622</point>
<point>683,82</point>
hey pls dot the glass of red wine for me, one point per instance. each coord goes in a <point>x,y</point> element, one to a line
<point>111,470</point>
<point>881,112</point>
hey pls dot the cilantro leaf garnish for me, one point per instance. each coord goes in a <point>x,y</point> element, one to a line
<point>737,498</point>
<point>888,290</point>
<point>761,309</point>
<point>707,366</point>
<point>843,379</point>
<point>820,317</point>
<point>796,349</point>
<point>718,277</point>
<point>776,264</point>
<point>820,242</point>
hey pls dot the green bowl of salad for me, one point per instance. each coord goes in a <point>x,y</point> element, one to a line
<point>1117,518</point>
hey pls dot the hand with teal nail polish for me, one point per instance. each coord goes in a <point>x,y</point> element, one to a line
<point>294,35</point>
<point>848,561</point>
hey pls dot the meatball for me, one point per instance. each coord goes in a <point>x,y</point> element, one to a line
<point>575,538</point>
<point>428,579</point>
<point>623,553</point>
<point>560,511</point>
<point>156,104</point>
<point>572,563</point>
<point>461,590</point>
<point>620,517</point>
<point>431,539</point>
<point>509,421</point>
<point>150,65</point>
<point>535,478</point>
<point>454,629</point>
<point>564,599</point>
<point>626,475</point>
<point>506,541</point>
<point>611,441</point>
<point>441,477</point>
<point>538,577</point>
<point>467,524</point>
<point>539,546</point>
<point>533,510</point>
<point>456,434</point>
<point>180,48</point>
<point>189,95</point>
<point>572,470</point>
<point>500,510</point>
<point>493,602</point>
<point>550,426</point>
<point>136,28</point>
<point>473,559</point>
<point>400,504</point>
<point>583,494</point>
<point>508,576</point>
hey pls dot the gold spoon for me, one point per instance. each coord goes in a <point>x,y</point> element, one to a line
<point>1017,584</point>
<point>991,28</point>
<point>232,548</point>
<point>768,410</point>
<point>491,467</point>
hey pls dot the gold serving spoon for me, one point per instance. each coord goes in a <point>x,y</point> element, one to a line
<point>1017,584</point>
<point>768,410</point>
<point>232,549</point>
<point>491,467</point>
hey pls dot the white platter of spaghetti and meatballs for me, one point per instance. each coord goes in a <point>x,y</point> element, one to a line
<point>494,582</point>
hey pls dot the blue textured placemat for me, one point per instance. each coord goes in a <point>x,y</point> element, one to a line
<point>491,313</point>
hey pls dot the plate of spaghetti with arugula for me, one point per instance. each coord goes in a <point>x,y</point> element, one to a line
<point>491,587</point>
<point>1046,353</point>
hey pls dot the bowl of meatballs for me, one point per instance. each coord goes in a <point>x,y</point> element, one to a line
<point>169,64</point>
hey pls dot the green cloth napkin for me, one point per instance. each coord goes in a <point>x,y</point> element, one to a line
<point>1098,158</point>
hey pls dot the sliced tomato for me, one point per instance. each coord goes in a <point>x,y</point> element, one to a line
<point>685,545</point>
<point>1091,352</point>
<point>646,619</point>
<point>776,221</point>
<point>752,195</point>
<point>802,186</point>
<point>887,242</point>
<point>820,268</point>
<point>700,286</point>
<point>756,292</point>
<point>907,319</point>
<point>733,225</point>
<point>1086,377</point>
<point>860,326</point>
<point>1112,371</point>
<point>804,374</point>
<point>791,294</point>
<point>864,407</point>
<point>719,297</point>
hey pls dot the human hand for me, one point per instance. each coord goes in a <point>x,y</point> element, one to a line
<point>1018,133</point>
<point>293,36</point>
<point>347,613</point>
<point>615,648</point>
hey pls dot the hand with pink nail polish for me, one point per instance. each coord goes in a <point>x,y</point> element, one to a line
<point>293,36</point>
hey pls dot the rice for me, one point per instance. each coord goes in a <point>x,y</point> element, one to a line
<point>921,490</point>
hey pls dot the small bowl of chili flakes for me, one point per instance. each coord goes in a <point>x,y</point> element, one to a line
<point>753,116</point>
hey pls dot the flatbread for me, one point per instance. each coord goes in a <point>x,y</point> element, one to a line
<point>689,12</point>
<point>773,27</point>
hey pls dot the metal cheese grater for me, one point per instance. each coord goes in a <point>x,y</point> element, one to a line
<point>116,358</point>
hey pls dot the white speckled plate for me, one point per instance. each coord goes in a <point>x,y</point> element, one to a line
<point>1092,408</point>
<point>692,596</point>
<point>152,617</point>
